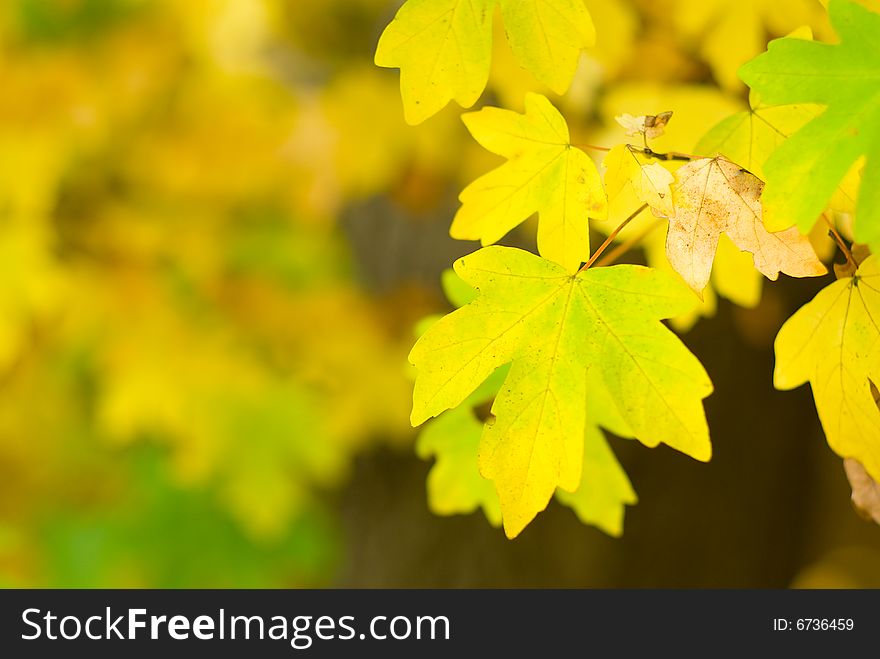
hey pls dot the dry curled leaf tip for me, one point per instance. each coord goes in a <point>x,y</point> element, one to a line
<point>650,125</point>
<point>865,490</point>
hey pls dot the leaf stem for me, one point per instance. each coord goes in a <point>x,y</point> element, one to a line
<point>594,147</point>
<point>645,150</point>
<point>832,231</point>
<point>611,237</point>
<point>624,247</point>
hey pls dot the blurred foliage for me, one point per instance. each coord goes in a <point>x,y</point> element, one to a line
<point>191,355</point>
<point>188,363</point>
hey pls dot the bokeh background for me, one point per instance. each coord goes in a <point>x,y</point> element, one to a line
<point>216,236</point>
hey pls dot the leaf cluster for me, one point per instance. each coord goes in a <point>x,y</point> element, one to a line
<point>582,338</point>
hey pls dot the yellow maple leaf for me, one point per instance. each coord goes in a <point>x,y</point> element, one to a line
<point>605,489</point>
<point>443,47</point>
<point>545,173</point>
<point>832,343</point>
<point>578,355</point>
<point>455,485</point>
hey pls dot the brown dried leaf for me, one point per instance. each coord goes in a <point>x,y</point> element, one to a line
<point>650,125</point>
<point>865,490</point>
<point>715,196</point>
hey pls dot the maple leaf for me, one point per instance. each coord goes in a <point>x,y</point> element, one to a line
<point>547,37</point>
<point>730,32</point>
<point>733,277</point>
<point>569,339</point>
<point>715,196</point>
<point>605,488</point>
<point>443,47</point>
<point>749,137</point>
<point>803,173</point>
<point>544,174</point>
<point>455,485</point>
<point>697,110</point>
<point>865,490</point>
<point>832,342</point>
<point>649,181</point>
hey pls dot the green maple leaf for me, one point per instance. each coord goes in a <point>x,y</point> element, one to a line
<point>833,342</point>
<point>805,170</point>
<point>443,47</point>
<point>583,349</point>
<point>544,174</point>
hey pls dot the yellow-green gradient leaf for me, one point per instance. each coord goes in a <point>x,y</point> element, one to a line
<point>560,332</point>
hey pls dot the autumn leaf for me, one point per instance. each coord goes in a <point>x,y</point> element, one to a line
<point>803,173</point>
<point>544,174</point>
<point>649,181</point>
<point>733,277</point>
<point>443,47</point>
<point>558,331</point>
<point>455,485</point>
<point>605,489</point>
<point>749,137</point>
<point>696,110</point>
<point>547,37</point>
<point>832,343</point>
<point>651,125</point>
<point>714,196</point>
<point>730,32</point>
<point>865,490</point>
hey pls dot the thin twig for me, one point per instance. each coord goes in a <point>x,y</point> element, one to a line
<point>611,237</point>
<point>624,247</point>
<point>832,231</point>
<point>645,150</point>
<point>670,155</point>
